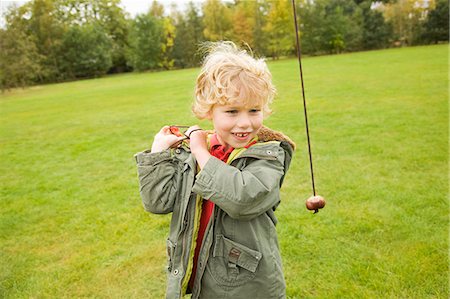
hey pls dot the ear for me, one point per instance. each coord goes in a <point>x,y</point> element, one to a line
<point>208,115</point>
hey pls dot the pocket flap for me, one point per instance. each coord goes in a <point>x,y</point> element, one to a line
<point>237,253</point>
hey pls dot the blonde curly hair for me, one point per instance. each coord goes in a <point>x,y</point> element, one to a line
<point>230,75</point>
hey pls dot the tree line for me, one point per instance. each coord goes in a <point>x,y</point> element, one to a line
<point>59,40</point>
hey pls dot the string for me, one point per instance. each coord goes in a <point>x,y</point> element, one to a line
<point>299,55</point>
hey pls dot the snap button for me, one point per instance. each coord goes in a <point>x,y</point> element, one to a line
<point>175,272</point>
<point>177,151</point>
<point>269,152</point>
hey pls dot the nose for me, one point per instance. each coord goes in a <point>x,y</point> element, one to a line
<point>243,121</point>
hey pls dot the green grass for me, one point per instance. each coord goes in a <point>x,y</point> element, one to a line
<point>72,224</point>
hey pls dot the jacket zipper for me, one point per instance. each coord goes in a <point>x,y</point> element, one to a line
<point>189,261</point>
<point>203,268</point>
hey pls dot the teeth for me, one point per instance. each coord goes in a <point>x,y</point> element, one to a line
<point>241,134</point>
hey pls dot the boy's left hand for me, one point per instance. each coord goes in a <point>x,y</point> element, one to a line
<point>198,145</point>
<point>197,138</point>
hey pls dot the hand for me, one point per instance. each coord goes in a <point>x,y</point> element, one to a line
<point>198,145</point>
<point>197,139</point>
<point>165,139</point>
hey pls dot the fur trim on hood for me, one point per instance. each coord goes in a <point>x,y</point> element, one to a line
<point>267,134</point>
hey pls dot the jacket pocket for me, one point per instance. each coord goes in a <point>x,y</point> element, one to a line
<point>170,253</point>
<point>233,264</point>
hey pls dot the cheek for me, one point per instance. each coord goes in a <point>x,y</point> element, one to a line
<point>258,121</point>
<point>226,126</point>
<point>221,124</point>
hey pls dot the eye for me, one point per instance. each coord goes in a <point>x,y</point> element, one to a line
<point>255,110</point>
<point>231,111</point>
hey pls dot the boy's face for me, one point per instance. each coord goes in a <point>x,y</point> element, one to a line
<point>236,124</point>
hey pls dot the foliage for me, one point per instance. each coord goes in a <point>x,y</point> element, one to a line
<point>189,35</point>
<point>407,17</point>
<point>244,21</point>
<point>161,40</point>
<point>436,27</point>
<point>19,59</point>
<point>167,44</point>
<point>278,29</point>
<point>145,42</point>
<point>107,15</point>
<point>47,31</point>
<point>85,52</point>
<point>376,31</point>
<point>331,26</point>
<point>111,18</point>
<point>259,37</point>
<point>217,21</point>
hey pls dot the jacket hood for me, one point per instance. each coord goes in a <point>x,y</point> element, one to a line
<point>266,134</point>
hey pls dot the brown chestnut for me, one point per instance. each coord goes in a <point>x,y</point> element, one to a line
<point>314,203</point>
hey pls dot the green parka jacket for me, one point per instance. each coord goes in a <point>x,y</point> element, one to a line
<point>239,257</point>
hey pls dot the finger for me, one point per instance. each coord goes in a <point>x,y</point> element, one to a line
<point>176,144</point>
<point>174,138</point>
<point>192,129</point>
<point>195,132</point>
<point>178,141</point>
<point>165,130</point>
<point>176,131</point>
<point>171,130</point>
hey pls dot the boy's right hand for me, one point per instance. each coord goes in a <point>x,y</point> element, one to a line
<point>165,139</point>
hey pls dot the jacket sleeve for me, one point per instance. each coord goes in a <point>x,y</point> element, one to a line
<point>157,181</point>
<point>242,194</point>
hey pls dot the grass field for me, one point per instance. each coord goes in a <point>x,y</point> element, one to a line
<point>72,224</point>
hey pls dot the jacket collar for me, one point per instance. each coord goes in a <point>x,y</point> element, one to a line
<point>266,134</point>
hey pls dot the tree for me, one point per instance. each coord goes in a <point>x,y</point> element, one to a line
<point>243,22</point>
<point>104,13</point>
<point>156,10</point>
<point>279,29</point>
<point>343,26</point>
<point>311,22</point>
<point>331,26</point>
<point>19,59</point>
<point>167,34</point>
<point>85,52</point>
<point>52,24</point>
<point>111,18</point>
<point>436,25</point>
<point>189,28</point>
<point>376,32</point>
<point>145,42</point>
<point>261,9</point>
<point>167,43</point>
<point>47,32</point>
<point>406,17</point>
<point>216,20</point>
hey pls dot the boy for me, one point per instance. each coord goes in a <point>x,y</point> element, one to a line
<point>222,187</point>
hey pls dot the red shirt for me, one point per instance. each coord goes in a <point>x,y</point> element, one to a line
<point>219,151</point>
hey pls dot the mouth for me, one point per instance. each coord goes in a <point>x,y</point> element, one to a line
<point>241,136</point>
